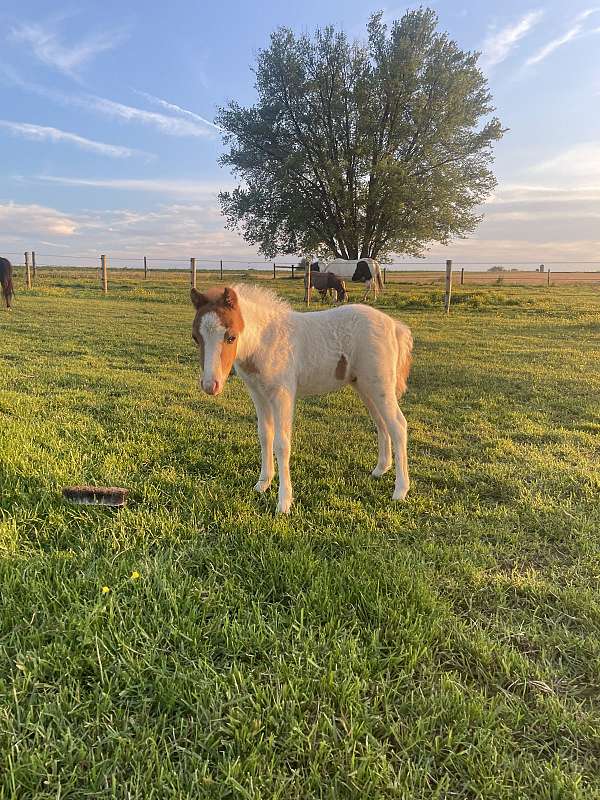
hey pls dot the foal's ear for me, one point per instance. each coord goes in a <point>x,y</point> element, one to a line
<point>229,298</point>
<point>198,299</point>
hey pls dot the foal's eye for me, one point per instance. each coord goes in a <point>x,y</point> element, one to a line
<point>230,339</point>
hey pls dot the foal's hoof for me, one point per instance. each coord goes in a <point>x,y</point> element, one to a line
<point>400,494</point>
<point>262,485</point>
<point>379,471</point>
<point>284,506</point>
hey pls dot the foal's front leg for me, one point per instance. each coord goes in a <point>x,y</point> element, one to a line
<point>282,402</point>
<point>264,419</point>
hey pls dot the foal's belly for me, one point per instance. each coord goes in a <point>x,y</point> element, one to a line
<point>313,389</point>
<point>321,382</point>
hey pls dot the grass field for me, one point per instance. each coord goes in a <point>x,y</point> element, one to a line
<point>447,647</point>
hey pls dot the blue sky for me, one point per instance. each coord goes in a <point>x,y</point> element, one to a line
<point>107,145</point>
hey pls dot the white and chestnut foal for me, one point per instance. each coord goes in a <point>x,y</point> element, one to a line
<point>281,354</point>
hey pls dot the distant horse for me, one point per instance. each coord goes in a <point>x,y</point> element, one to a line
<point>6,281</point>
<point>362,270</point>
<point>282,354</point>
<point>327,281</point>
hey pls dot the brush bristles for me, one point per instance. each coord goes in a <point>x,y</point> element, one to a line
<point>96,495</point>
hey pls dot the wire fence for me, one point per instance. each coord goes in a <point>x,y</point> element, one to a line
<point>99,269</point>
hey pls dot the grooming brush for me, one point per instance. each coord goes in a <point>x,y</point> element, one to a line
<point>113,496</point>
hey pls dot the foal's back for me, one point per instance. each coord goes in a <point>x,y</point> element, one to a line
<point>342,345</point>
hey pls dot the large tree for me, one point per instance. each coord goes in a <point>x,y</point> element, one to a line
<point>361,149</point>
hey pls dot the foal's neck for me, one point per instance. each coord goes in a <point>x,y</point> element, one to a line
<point>257,317</point>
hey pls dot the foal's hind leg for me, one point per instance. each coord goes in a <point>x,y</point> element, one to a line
<point>386,404</point>
<point>384,443</point>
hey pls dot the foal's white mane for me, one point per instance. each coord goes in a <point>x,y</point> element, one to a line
<point>263,298</point>
<point>262,310</point>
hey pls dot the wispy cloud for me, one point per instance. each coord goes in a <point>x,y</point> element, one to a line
<point>579,164</point>
<point>498,44</point>
<point>553,45</point>
<point>48,47</point>
<point>575,31</point>
<point>18,219</point>
<point>537,195</point>
<point>172,126</point>
<point>587,13</point>
<point>175,230</point>
<point>42,133</point>
<point>489,246</point>
<point>160,185</point>
<point>176,109</point>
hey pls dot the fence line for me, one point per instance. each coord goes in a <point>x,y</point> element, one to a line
<point>394,266</point>
<point>393,273</point>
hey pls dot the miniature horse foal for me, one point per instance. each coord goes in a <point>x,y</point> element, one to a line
<point>281,354</point>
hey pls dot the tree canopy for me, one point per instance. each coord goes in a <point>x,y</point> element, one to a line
<point>361,148</point>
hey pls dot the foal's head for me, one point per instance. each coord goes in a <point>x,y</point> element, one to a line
<point>217,325</point>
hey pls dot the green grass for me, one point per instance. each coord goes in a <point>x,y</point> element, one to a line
<point>448,647</point>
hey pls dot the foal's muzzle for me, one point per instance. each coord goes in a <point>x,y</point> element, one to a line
<point>211,387</point>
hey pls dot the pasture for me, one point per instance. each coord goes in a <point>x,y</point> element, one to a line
<point>193,645</point>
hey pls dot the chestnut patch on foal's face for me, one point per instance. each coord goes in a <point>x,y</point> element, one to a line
<point>216,327</point>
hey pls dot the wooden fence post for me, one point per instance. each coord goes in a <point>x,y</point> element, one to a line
<point>274,275</point>
<point>145,268</point>
<point>462,276</point>
<point>292,271</point>
<point>33,263</point>
<point>221,269</point>
<point>193,272</point>
<point>27,271</point>
<point>448,286</point>
<point>384,275</point>
<point>548,283</point>
<point>104,263</point>
<point>307,283</point>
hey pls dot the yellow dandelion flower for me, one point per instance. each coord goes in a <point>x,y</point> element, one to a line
<point>105,590</point>
<point>135,575</point>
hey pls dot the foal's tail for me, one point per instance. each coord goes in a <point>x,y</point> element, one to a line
<point>378,278</point>
<point>7,283</point>
<point>405,344</point>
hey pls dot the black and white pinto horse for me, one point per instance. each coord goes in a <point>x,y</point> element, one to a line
<point>363,270</point>
<point>6,281</point>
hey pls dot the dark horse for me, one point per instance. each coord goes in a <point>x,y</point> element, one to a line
<point>6,280</point>
<point>325,281</point>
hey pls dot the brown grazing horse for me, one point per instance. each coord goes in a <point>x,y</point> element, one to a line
<point>325,281</point>
<point>6,281</point>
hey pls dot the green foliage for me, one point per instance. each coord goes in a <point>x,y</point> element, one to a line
<point>361,149</point>
<point>445,647</point>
